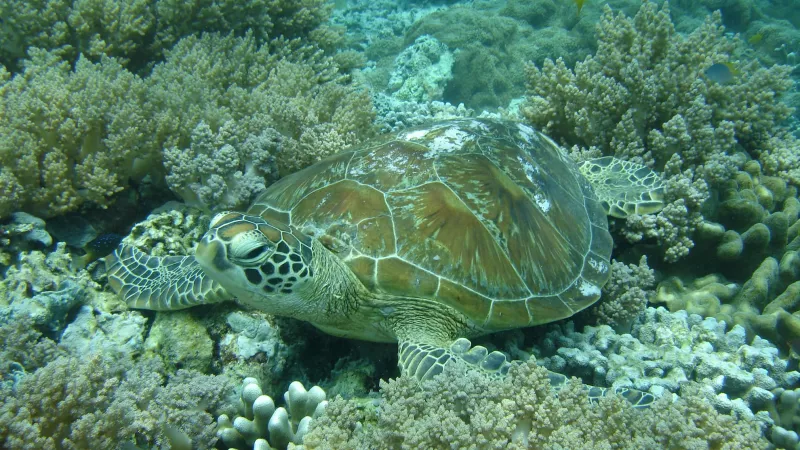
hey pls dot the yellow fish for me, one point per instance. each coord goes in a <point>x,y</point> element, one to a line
<point>722,73</point>
<point>579,3</point>
<point>756,38</point>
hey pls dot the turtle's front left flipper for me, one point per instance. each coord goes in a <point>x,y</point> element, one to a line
<point>160,283</point>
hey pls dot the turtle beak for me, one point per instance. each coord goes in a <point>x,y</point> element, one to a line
<point>212,255</point>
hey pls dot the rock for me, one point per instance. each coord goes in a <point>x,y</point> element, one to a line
<point>116,335</point>
<point>181,341</point>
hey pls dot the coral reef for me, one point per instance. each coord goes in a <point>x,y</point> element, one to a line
<point>787,418</point>
<point>71,136</point>
<point>181,341</point>
<point>422,71</point>
<point>96,402</point>
<point>218,169</point>
<point>664,351</point>
<point>490,47</point>
<point>263,427</point>
<point>138,32</point>
<point>222,141</point>
<point>79,135</point>
<point>172,229</point>
<point>644,96</point>
<point>471,410</point>
<point>253,334</point>
<point>108,105</point>
<point>625,295</point>
<point>394,115</point>
<point>764,305</point>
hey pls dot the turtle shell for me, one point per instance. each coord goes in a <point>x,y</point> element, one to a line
<point>489,217</point>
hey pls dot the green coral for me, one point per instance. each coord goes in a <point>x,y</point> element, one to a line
<point>81,127</point>
<point>138,32</point>
<point>71,136</point>
<point>475,411</point>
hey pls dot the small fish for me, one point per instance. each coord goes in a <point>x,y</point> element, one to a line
<point>579,3</point>
<point>756,38</point>
<point>721,73</point>
<point>97,248</point>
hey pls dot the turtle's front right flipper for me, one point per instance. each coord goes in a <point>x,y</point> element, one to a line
<point>160,283</point>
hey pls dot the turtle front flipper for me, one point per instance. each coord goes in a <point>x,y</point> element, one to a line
<point>639,399</point>
<point>424,361</point>
<point>160,283</point>
<point>624,187</point>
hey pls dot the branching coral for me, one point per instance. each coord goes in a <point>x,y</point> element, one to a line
<point>76,136</point>
<point>138,32</point>
<point>232,110</point>
<point>218,169</point>
<point>174,231</point>
<point>664,351</point>
<point>755,245</point>
<point>625,295</point>
<point>93,402</point>
<point>644,96</point>
<point>474,411</point>
<point>71,137</point>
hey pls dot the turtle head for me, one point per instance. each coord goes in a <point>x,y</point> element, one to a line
<point>263,263</point>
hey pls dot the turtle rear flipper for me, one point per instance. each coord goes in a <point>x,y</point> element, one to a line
<point>624,187</point>
<point>424,361</point>
<point>638,399</point>
<point>160,283</point>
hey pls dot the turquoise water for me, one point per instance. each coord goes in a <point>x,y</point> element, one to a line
<point>417,171</point>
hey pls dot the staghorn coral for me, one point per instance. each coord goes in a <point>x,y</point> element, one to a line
<point>475,411</point>
<point>643,96</point>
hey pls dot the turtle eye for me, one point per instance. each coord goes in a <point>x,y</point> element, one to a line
<point>251,256</point>
<point>256,252</point>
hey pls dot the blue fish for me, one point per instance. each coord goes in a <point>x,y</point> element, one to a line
<point>99,247</point>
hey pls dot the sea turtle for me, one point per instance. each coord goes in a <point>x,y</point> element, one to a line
<point>426,237</point>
